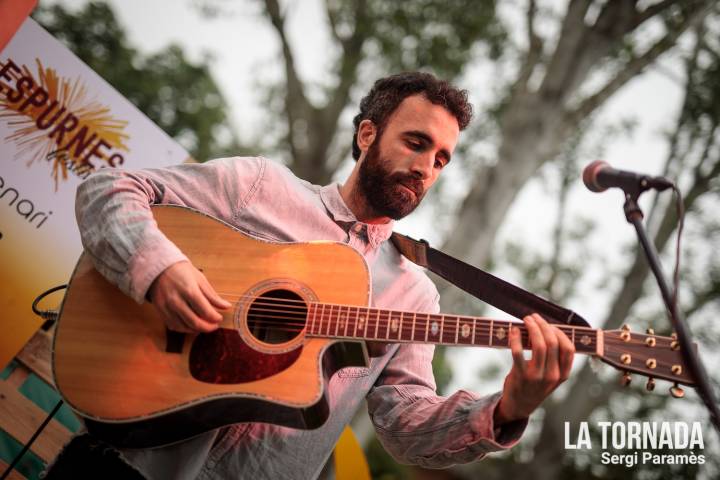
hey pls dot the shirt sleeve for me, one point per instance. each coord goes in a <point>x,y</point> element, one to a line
<point>416,426</point>
<point>117,227</point>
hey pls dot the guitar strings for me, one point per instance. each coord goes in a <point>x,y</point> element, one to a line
<point>302,304</point>
<point>383,320</point>
<point>385,317</point>
<point>390,334</point>
<point>372,311</point>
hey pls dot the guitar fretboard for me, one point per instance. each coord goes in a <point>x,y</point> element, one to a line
<point>375,324</point>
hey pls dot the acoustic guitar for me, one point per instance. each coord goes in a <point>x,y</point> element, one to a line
<point>300,313</point>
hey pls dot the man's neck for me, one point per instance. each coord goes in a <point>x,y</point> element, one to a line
<point>357,203</point>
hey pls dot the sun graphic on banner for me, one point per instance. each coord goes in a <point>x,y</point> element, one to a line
<point>54,119</point>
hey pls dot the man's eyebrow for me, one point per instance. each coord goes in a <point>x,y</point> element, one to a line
<point>420,135</point>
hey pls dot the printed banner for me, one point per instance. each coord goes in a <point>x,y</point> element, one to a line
<point>59,123</point>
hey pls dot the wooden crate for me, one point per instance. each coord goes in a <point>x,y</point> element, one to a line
<point>19,416</point>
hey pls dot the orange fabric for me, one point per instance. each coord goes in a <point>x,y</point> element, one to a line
<point>13,14</point>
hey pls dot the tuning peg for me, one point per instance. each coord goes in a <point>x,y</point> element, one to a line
<point>625,335</point>
<point>650,385</point>
<point>626,379</point>
<point>676,391</point>
<point>650,341</point>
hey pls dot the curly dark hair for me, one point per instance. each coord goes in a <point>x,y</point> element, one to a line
<point>387,94</point>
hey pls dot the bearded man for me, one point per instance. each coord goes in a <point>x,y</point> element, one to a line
<point>405,135</point>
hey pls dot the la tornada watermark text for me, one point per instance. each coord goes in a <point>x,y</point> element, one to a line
<point>632,443</point>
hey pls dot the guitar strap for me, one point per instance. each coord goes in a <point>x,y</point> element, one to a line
<point>503,295</point>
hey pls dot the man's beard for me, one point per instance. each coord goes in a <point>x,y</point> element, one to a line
<point>383,191</point>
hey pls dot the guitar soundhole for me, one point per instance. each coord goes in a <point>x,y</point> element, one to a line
<point>277,316</point>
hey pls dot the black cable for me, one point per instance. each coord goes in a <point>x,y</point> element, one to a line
<point>48,315</point>
<point>680,209</point>
<point>26,447</point>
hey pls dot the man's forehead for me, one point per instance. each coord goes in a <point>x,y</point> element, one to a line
<point>417,113</point>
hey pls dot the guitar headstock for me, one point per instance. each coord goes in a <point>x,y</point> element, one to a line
<point>647,354</point>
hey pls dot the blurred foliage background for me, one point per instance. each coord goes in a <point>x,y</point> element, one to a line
<point>554,66</point>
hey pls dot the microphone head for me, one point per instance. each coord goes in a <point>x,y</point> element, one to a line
<point>589,175</point>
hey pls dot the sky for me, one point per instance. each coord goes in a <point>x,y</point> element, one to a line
<point>245,52</point>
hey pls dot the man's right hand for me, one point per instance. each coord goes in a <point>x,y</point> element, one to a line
<point>186,300</point>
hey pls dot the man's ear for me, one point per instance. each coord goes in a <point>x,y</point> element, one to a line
<point>367,132</point>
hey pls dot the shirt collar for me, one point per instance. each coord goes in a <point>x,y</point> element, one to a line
<point>341,213</point>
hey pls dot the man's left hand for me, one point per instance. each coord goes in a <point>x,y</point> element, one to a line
<point>531,381</point>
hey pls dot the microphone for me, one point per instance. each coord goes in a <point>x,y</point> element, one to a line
<point>599,176</point>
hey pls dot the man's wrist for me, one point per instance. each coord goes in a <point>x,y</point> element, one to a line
<point>499,415</point>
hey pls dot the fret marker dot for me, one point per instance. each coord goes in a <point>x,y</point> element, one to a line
<point>500,333</point>
<point>585,340</point>
<point>465,330</point>
<point>394,325</point>
<point>361,320</point>
<point>434,328</point>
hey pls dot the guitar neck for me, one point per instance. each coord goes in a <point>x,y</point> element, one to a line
<point>377,324</point>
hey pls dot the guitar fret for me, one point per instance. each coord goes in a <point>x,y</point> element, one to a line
<point>464,333</point>
<point>311,318</point>
<point>406,328</point>
<point>442,326</point>
<point>366,316</point>
<point>347,320</point>
<point>412,339</point>
<point>322,312</point>
<point>490,334</point>
<point>387,328</point>
<point>330,320</point>
<point>457,329</point>
<point>427,326</point>
<point>356,323</point>
<point>473,331</point>
<point>337,321</point>
<point>377,322</point>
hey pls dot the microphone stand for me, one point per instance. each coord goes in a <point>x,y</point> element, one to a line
<point>634,215</point>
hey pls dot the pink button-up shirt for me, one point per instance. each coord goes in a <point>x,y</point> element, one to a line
<point>264,199</point>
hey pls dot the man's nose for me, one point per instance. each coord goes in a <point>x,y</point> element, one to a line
<point>422,165</point>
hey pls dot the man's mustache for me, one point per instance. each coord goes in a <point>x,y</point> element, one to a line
<point>411,182</point>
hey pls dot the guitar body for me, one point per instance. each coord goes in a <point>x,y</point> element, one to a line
<point>138,385</point>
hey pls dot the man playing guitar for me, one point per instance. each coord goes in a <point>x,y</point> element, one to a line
<point>405,134</point>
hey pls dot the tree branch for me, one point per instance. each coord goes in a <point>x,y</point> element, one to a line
<point>296,102</point>
<point>634,67</point>
<point>567,50</point>
<point>691,66</point>
<point>703,298</point>
<point>651,11</point>
<point>333,21</point>
<point>534,52</point>
<point>347,72</point>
